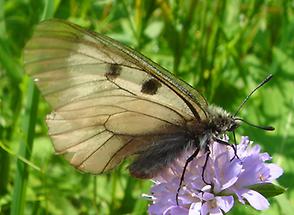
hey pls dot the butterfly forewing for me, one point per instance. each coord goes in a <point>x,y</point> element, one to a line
<point>109,102</point>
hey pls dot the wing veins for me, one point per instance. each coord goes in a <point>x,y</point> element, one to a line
<point>119,87</point>
<point>144,114</point>
<point>59,48</point>
<point>50,79</point>
<point>96,150</point>
<point>82,98</point>
<point>111,158</point>
<point>147,64</point>
<point>80,142</point>
<point>59,31</point>
<point>76,129</point>
<point>86,43</point>
<point>127,96</point>
<point>94,64</point>
<point>124,110</point>
<point>90,106</point>
<point>141,61</point>
<point>68,66</point>
<point>73,86</point>
<point>89,117</point>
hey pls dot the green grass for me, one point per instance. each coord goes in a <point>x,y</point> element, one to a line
<point>222,47</point>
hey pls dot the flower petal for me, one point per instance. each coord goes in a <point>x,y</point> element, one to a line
<point>195,208</point>
<point>265,156</point>
<point>233,172</point>
<point>275,171</point>
<point>215,211</point>
<point>176,210</point>
<point>156,209</point>
<point>225,202</point>
<point>204,209</point>
<point>238,193</point>
<point>256,200</point>
<point>207,196</point>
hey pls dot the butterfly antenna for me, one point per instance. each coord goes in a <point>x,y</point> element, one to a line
<point>267,79</point>
<point>267,128</point>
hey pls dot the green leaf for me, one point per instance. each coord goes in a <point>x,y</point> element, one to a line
<point>268,190</point>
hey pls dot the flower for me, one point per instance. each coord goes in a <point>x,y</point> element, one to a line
<point>212,204</point>
<point>227,177</point>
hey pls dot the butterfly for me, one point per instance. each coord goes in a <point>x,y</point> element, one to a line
<point>110,103</point>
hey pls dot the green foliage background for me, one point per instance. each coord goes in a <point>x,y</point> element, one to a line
<point>221,47</point>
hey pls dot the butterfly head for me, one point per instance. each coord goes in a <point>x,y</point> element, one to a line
<point>220,121</point>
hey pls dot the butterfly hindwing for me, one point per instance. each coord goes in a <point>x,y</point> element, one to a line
<point>109,102</point>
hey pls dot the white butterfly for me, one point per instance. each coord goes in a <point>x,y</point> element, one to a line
<point>110,102</point>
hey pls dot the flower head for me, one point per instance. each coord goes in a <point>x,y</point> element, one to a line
<point>225,176</point>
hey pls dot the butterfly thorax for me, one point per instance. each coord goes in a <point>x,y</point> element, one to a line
<point>217,123</point>
<point>220,121</point>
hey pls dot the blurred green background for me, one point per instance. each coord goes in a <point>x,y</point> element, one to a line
<point>221,47</point>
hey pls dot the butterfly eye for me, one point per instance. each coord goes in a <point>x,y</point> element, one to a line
<point>234,125</point>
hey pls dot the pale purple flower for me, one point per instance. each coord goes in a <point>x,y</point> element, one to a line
<point>211,204</point>
<point>228,175</point>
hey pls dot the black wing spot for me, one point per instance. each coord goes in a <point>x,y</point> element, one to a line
<point>113,71</point>
<point>150,86</point>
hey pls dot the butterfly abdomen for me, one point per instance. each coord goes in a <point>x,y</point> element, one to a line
<point>161,154</point>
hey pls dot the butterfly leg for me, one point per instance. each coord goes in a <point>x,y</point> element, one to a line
<point>184,170</point>
<point>234,146</point>
<point>205,164</point>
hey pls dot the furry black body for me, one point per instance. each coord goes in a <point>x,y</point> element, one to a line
<point>197,136</point>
